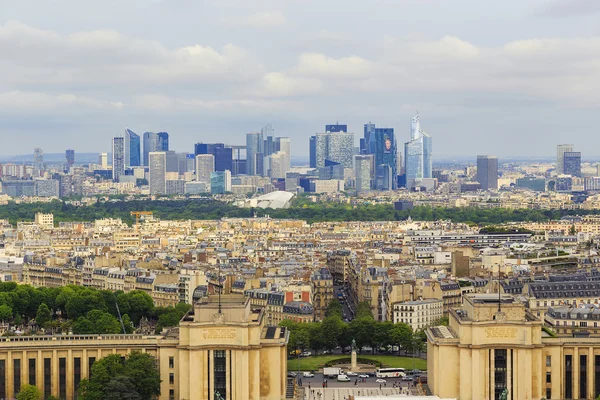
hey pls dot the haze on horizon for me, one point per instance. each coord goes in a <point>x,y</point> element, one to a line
<point>505,78</point>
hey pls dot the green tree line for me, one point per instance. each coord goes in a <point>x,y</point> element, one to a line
<point>82,309</point>
<point>364,330</point>
<point>208,209</point>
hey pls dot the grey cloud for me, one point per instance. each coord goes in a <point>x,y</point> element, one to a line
<point>569,8</point>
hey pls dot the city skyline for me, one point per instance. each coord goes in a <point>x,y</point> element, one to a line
<point>474,87</point>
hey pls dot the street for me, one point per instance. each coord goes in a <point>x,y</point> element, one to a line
<point>317,382</point>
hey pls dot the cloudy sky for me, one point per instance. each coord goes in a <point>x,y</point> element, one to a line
<point>510,77</point>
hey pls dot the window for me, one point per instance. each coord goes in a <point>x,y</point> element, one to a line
<point>569,376</point>
<point>32,371</point>
<point>171,378</point>
<point>62,377</point>
<point>548,361</point>
<point>548,377</point>
<point>47,377</point>
<point>17,375</point>
<point>171,394</point>
<point>76,374</point>
<point>548,393</point>
<point>171,362</point>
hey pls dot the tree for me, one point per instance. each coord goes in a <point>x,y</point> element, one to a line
<point>363,310</point>
<point>361,330</point>
<point>28,392</point>
<point>6,312</point>
<point>43,315</point>
<point>402,335</point>
<point>121,387</point>
<point>136,373</point>
<point>334,309</point>
<point>331,329</point>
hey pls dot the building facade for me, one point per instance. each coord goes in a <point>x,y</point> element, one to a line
<point>220,349</point>
<point>418,314</point>
<point>157,173</point>
<point>118,158</point>
<point>132,149</point>
<point>417,154</point>
<point>487,172</point>
<point>496,346</point>
<point>561,149</point>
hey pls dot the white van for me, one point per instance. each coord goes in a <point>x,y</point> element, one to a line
<point>343,378</point>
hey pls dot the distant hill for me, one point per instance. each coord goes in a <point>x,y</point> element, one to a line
<point>80,158</point>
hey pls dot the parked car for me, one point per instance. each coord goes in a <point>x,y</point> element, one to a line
<point>363,376</point>
<point>305,354</point>
<point>308,375</point>
<point>407,378</point>
<point>380,380</point>
<point>291,374</point>
<point>350,373</point>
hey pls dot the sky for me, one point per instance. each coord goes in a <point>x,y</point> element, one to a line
<point>511,77</point>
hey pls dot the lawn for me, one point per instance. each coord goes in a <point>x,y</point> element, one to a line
<point>316,362</point>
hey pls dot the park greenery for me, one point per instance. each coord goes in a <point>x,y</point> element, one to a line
<point>301,208</point>
<point>135,377</point>
<point>82,310</point>
<point>333,332</point>
<point>314,363</point>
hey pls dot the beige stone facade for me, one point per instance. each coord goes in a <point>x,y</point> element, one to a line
<point>484,352</point>
<point>231,352</point>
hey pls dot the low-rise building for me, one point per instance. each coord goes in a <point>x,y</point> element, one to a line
<point>418,314</point>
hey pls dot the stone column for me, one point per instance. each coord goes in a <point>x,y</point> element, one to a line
<point>353,360</point>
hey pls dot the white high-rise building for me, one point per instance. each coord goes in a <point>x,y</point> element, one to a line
<point>561,149</point>
<point>157,171</point>
<point>283,145</point>
<point>103,160</point>
<point>205,165</point>
<point>362,172</point>
<point>278,165</point>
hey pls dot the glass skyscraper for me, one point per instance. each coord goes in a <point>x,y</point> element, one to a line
<point>132,149</point>
<point>254,153</point>
<point>417,153</point>
<point>335,145</point>
<point>155,142</point>
<point>385,151</point>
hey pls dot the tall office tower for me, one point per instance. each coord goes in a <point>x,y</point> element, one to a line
<point>103,160</point>
<point>118,158</point>
<point>70,157</point>
<point>254,153</point>
<point>385,151</point>
<point>223,158</point>
<point>155,142</point>
<point>336,128</point>
<point>366,147</point>
<point>561,149</point>
<point>172,161</point>
<point>157,172</point>
<point>205,165</point>
<point>223,155</point>
<point>220,182</point>
<point>38,162</point>
<point>278,163</point>
<point>284,145</point>
<point>572,163</point>
<point>312,150</point>
<point>132,149</point>
<point>417,158</point>
<point>362,172</point>
<point>487,172</point>
<point>335,145</point>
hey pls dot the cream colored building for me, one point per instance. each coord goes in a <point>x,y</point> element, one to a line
<point>485,351</point>
<point>227,350</point>
<point>46,221</point>
<point>418,314</point>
